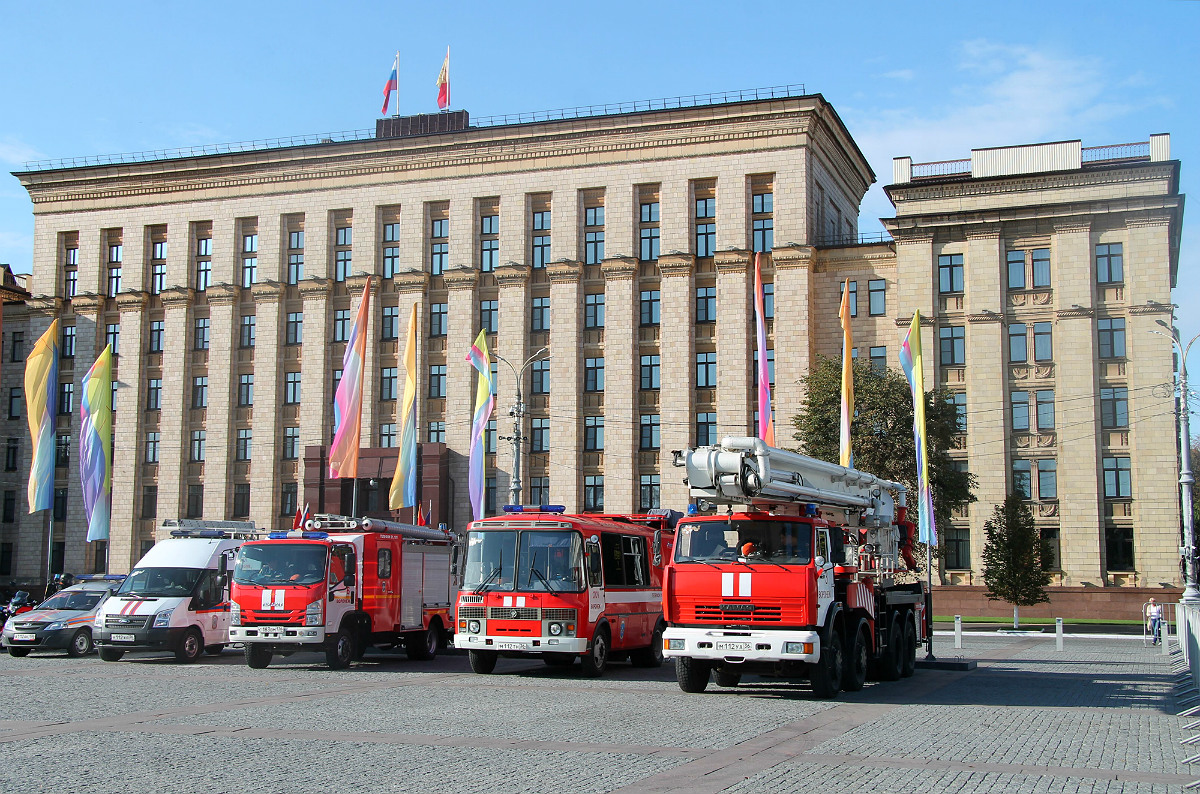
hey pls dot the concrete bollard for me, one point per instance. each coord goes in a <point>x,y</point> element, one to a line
<point>1058,633</point>
<point>958,631</point>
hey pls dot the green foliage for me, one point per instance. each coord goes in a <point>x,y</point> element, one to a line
<point>881,432</point>
<point>1013,555</point>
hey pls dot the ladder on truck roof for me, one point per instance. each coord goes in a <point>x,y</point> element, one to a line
<point>744,470</point>
<point>326,522</point>
<point>202,528</point>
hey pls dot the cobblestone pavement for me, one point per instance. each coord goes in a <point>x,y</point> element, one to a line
<point>1099,717</point>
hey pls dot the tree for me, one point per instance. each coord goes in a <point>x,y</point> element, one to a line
<point>1013,557</point>
<point>881,432</point>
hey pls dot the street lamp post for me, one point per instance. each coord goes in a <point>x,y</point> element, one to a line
<point>1187,546</point>
<point>517,412</point>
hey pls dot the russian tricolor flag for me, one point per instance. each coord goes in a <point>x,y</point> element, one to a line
<point>392,84</point>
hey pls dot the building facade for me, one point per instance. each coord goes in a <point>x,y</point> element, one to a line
<point>623,244</point>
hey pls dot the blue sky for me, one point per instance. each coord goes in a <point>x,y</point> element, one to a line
<point>933,81</point>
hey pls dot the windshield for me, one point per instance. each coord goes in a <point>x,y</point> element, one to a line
<point>78,600</point>
<point>544,560</point>
<point>780,542</point>
<point>280,563</point>
<point>161,582</point>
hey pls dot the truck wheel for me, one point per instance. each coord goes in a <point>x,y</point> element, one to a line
<point>595,661</point>
<point>692,674</point>
<point>18,652</point>
<point>652,654</point>
<point>909,649</point>
<point>482,662</point>
<point>190,647</point>
<point>257,656</point>
<point>891,660</point>
<point>826,674</point>
<point>559,659</point>
<point>854,675</point>
<point>340,652</point>
<point>421,646</point>
<point>214,650</point>
<point>81,644</point>
<point>110,654</point>
<point>728,678</point>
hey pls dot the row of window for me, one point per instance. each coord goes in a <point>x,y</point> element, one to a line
<point>1110,332</point>
<point>1030,269</point>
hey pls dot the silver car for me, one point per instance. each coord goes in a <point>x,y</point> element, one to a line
<point>64,620</point>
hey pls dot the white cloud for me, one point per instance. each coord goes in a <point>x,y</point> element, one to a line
<point>17,153</point>
<point>900,74</point>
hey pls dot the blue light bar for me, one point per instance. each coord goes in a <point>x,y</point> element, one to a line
<point>100,577</point>
<point>534,509</point>
<point>199,533</point>
<point>295,533</point>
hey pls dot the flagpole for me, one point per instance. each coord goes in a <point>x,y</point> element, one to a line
<point>49,552</point>
<point>448,105</point>
<point>397,83</point>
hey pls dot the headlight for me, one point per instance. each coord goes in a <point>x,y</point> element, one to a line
<point>473,626</point>
<point>98,621</point>
<point>555,629</point>
<point>163,619</point>
<point>314,615</point>
<point>797,647</point>
<point>675,645</point>
<point>57,626</point>
<point>235,613</point>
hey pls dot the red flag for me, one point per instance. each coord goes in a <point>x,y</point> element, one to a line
<point>421,522</point>
<point>298,521</point>
<point>443,83</point>
<point>392,84</point>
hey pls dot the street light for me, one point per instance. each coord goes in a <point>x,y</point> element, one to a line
<point>1187,547</point>
<point>517,412</point>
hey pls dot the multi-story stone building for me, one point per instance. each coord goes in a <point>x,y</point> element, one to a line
<point>623,243</point>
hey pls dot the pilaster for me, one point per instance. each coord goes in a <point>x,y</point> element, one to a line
<point>566,448</point>
<point>266,473</point>
<point>463,300</point>
<point>735,331</point>
<point>678,358</point>
<point>175,425</point>
<point>224,413</point>
<point>128,437</point>
<point>794,341</point>
<point>622,381</point>
<point>512,343</point>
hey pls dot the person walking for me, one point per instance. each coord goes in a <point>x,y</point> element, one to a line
<point>1154,614</point>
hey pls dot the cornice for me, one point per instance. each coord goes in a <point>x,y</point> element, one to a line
<point>1147,220</point>
<point>511,275</point>
<point>176,296</point>
<point>1152,308</point>
<point>410,281</point>
<point>985,317</point>
<point>132,301</point>
<point>732,262</point>
<point>619,268</point>
<point>1075,312</point>
<point>222,294</point>
<point>982,231</point>
<point>356,282</point>
<point>566,271</point>
<point>45,304</point>
<point>1072,225</point>
<point>911,235</point>
<point>793,257</point>
<point>460,278</point>
<point>906,322</point>
<point>88,303</point>
<point>266,291</point>
<point>314,287</point>
<point>676,264</point>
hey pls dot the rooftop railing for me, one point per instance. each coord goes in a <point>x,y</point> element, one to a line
<point>1116,151</point>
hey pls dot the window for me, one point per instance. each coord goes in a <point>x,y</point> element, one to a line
<point>489,496</point>
<point>650,431</point>
<point>437,380</point>
<point>62,450</point>
<point>593,310</point>
<point>540,383</point>
<point>200,335</point>
<point>1018,344</point>
<point>853,301</point>
<point>341,325</point>
<point>288,497</point>
<point>291,443</point>
<point>958,547</point>
<point>763,226</point>
<point>158,277</point>
<point>291,388</point>
<point>959,400</point>
<point>246,389</point>
<point>706,429</point>
<point>437,432</point>
<point>541,247</point>
<point>706,304</point>
<point>250,244</point>
<point>706,370</point>
<point>1112,337</point>
<point>195,501</point>
<point>489,316</point>
<point>1022,484</point>
<point>12,454</point>
<point>1110,267</point>
<point>203,274</point>
<point>241,500</point>
<point>294,329</point>
<point>593,493</point>
<point>249,271</point>
<point>593,433</point>
<point>337,381</point>
<point>439,252</point>
<point>14,402</point>
<point>540,317</point>
<point>1051,541</point>
<point>706,229</point>
<point>244,438</point>
<point>953,345</point>
<point>593,374</point>
<point>154,394</point>
<point>198,438</point>
<point>651,303</point>
<point>593,246</point>
<point>650,372</point>
<point>1114,407</point>
<point>768,301</point>
<point>295,260</point>
<point>156,336</point>
<point>1117,484</point>
<point>391,322</point>
<point>17,348</point>
<point>152,442</point>
<point>344,235</point>
<point>1118,548</point>
<point>489,254</point>
<point>112,337</point>
<point>387,383</point>
<point>71,282</point>
<point>1020,411</point>
<point>876,297</point>
<point>246,337</point>
<point>1016,269</point>
<point>114,280</point>
<point>1047,473</point>
<point>1041,267</point>
<point>67,347</point>
<point>66,398</point>
<point>649,492</point>
<point>9,517</point>
<point>950,273</point>
<point>648,235</point>
<point>878,358</point>
<point>1045,410</point>
<point>438,313</point>
<point>200,391</point>
<point>539,490</point>
<point>60,514</point>
<point>539,435</point>
<point>341,265</point>
<point>1043,344</point>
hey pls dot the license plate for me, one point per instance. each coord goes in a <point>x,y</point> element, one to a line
<point>733,646</point>
<point>123,638</point>
<point>511,646</point>
<point>25,638</point>
<point>270,632</point>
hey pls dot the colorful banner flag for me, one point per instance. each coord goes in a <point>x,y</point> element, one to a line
<point>41,407</point>
<point>393,84</point>
<point>484,402</point>
<point>403,492</point>
<point>846,456</point>
<point>95,445</point>
<point>347,403</point>
<point>910,359</point>
<point>766,422</point>
<point>443,83</point>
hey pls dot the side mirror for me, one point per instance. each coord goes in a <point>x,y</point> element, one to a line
<point>348,580</point>
<point>222,565</point>
<point>658,547</point>
<point>819,561</point>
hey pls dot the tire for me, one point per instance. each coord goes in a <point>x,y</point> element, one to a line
<point>482,662</point>
<point>692,674</point>
<point>595,661</point>
<point>854,670</point>
<point>909,649</point>
<point>214,650</point>
<point>257,656</point>
<point>110,654</point>
<point>191,645</point>
<point>826,674</point>
<point>892,658</point>
<point>81,644</point>
<point>340,652</point>
<point>728,678</point>
<point>559,659</point>
<point>652,655</point>
<point>421,646</point>
<point>18,652</point>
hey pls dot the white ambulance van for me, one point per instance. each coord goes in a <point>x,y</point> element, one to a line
<point>177,596</point>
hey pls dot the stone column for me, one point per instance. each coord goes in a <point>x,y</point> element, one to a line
<point>566,449</point>
<point>222,403</point>
<point>180,248</point>
<point>733,191</point>
<point>226,262</point>
<point>675,211</point>
<point>31,553</point>
<point>735,341</point>
<point>622,380</point>
<point>265,463</point>
<point>174,426</point>
<point>514,245</point>
<point>89,341</point>
<point>272,244</point>
<point>565,227</point>
<point>316,379</point>
<point>678,345</point>
<point>620,222</point>
<point>371,369</point>
<point>412,287</point>
<point>512,343</point>
<point>129,438</point>
<point>794,341</point>
<point>462,286</point>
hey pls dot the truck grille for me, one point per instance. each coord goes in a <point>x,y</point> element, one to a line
<point>28,626</point>
<point>471,599</point>
<point>559,614</point>
<point>125,621</point>
<point>711,613</point>
<point>513,613</point>
<point>258,617</point>
<point>467,613</point>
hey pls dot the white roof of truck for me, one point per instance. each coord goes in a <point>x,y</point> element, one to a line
<point>186,553</point>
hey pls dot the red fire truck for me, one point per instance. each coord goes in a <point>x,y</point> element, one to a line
<point>537,581</point>
<point>341,585</point>
<point>796,578</point>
